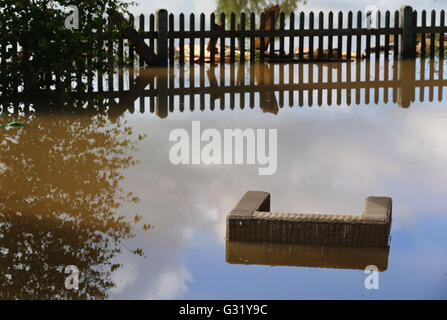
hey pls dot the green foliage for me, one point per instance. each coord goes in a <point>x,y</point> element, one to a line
<point>50,51</point>
<point>256,6</point>
<point>15,124</point>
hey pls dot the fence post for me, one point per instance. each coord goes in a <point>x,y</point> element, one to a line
<point>407,45</point>
<point>162,36</point>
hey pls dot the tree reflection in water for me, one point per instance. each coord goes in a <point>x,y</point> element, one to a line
<point>59,198</point>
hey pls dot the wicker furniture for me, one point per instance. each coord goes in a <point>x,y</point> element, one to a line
<point>252,221</point>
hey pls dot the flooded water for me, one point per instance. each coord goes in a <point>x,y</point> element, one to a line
<point>100,192</point>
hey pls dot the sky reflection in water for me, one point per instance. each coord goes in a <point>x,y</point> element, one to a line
<point>330,158</point>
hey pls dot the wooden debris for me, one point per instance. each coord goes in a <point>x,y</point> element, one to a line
<point>268,25</point>
<point>211,47</point>
<point>272,59</point>
<point>428,44</point>
<point>325,57</point>
<point>207,56</point>
<point>382,48</point>
<point>141,48</point>
<point>264,76</point>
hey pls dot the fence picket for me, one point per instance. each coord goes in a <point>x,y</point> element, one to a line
<point>131,54</point>
<point>252,84</point>
<point>377,36</point>
<point>415,35</point>
<point>291,38</point>
<point>222,83</point>
<point>271,41</point>
<point>152,29</point>
<point>182,86</point>
<point>242,39</point>
<point>120,63</point>
<point>368,35</point>
<point>291,79</point>
<point>191,39</point>
<point>100,75</point>
<point>320,37</point>
<point>281,39</point>
<point>222,39</point>
<point>441,37</point>
<point>202,85</point>
<point>348,80</point>
<point>301,37</point>
<point>396,35</point>
<point>202,39</point>
<point>171,40</point>
<point>387,36</point>
<point>330,38</point>
<point>252,38</point>
<point>232,37</point>
<point>182,40</point>
<point>349,39</point>
<point>110,56</point>
<point>212,42</point>
<point>423,35</point>
<point>358,53</point>
<point>261,40</point>
<point>340,38</point>
<point>140,59</point>
<point>432,35</point>
<point>311,38</point>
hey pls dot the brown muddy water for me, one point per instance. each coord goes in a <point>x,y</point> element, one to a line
<point>99,192</point>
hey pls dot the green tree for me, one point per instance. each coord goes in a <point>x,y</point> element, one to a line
<point>256,6</point>
<point>38,52</point>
